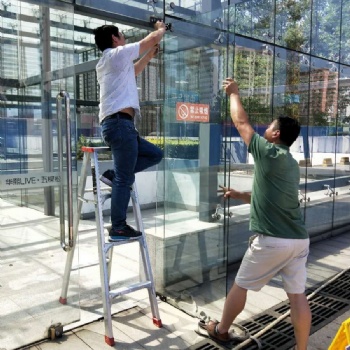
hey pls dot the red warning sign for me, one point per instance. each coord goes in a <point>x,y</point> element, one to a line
<point>192,112</point>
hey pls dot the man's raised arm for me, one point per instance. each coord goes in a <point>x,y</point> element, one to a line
<point>238,114</point>
<point>153,38</point>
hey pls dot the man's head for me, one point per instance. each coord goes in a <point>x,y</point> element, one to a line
<point>283,130</point>
<point>108,36</point>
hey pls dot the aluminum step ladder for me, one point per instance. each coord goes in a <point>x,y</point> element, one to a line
<point>105,249</point>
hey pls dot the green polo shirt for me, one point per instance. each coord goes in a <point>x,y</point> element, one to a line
<point>275,208</point>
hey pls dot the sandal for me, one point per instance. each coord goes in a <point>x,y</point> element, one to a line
<point>212,329</point>
<point>238,334</point>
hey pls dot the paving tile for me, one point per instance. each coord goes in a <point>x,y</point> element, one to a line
<point>140,327</point>
<point>94,336</point>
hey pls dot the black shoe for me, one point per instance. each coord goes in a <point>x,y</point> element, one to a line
<point>107,177</point>
<point>125,233</point>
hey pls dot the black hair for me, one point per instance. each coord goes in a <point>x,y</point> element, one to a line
<point>103,36</point>
<point>289,129</point>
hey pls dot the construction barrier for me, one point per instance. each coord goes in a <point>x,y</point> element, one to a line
<point>342,339</point>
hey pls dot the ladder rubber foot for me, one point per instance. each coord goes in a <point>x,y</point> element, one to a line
<point>109,341</point>
<point>157,322</point>
<point>63,300</point>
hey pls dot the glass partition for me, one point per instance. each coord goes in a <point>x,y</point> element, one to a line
<point>36,63</point>
<point>321,143</point>
<point>196,61</point>
<point>293,78</point>
<point>342,150</point>
<point>345,34</point>
<point>255,19</point>
<point>326,28</point>
<point>293,23</point>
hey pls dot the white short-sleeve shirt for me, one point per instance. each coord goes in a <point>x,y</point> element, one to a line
<point>116,77</point>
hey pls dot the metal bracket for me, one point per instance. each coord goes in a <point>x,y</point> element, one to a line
<point>302,197</point>
<point>220,211</point>
<point>55,331</point>
<point>155,19</point>
<point>330,191</point>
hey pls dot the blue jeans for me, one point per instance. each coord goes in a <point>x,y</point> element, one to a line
<point>131,154</point>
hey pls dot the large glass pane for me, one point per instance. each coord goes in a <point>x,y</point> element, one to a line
<point>255,19</point>
<point>326,21</point>
<point>125,11</point>
<point>36,62</point>
<point>291,98</point>
<point>194,268</point>
<point>322,143</point>
<point>342,151</point>
<point>198,11</point>
<point>293,23</point>
<point>253,70</point>
<point>345,33</point>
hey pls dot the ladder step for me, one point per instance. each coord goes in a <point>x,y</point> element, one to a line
<point>109,245</point>
<point>129,289</point>
<point>109,189</point>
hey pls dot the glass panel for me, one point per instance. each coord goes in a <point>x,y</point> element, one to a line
<point>255,19</point>
<point>253,69</point>
<point>293,24</point>
<point>291,98</point>
<point>36,62</point>
<point>195,63</point>
<point>326,22</point>
<point>198,11</point>
<point>342,151</point>
<point>322,140</point>
<point>345,33</point>
<point>127,11</point>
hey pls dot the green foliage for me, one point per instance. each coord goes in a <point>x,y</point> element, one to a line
<point>318,119</point>
<point>172,148</point>
<point>294,38</point>
<point>259,113</point>
<point>177,148</point>
<point>83,141</point>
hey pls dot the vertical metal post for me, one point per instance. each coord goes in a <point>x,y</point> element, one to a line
<point>47,130</point>
<point>64,95</point>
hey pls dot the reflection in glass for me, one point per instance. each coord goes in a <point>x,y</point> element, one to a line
<point>345,33</point>
<point>255,19</point>
<point>36,48</point>
<point>326,21</point>
<point>293,22</point>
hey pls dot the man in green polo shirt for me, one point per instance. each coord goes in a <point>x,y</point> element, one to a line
<point>281,243</point>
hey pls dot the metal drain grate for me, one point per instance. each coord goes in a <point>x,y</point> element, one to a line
<point>278,338</point>
<point>206,344</point>
<point>329,303</point>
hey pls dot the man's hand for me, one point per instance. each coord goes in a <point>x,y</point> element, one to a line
<point>230,87</point>
<point>231,193</point>
<point>228,192</point>
<point>154,51</point>
<point>238,114</point>
<point>159,25</point>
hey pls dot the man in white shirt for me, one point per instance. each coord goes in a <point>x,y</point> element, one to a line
<point>119,105</point>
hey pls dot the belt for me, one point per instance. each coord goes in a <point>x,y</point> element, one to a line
<point>120,115</point>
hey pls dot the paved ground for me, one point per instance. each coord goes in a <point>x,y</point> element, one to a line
<point>133,328</point>
<point>31,276</point>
